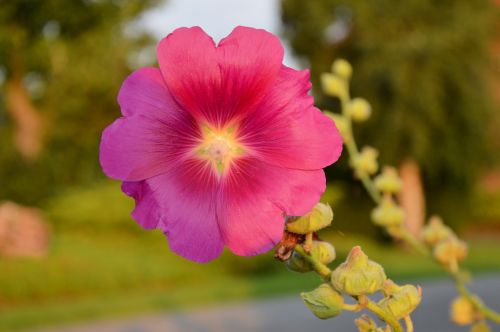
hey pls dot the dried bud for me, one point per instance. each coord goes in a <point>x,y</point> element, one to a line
<point>388,214</point>
<point>400,301</point>
<point>324,301</point>
<point>342,68</point>
<point>333,85</point>
<point>480,327</point>
<point>323,251</point>
<point>340,122</point>
<point>435,231</point>
<point>359,109</point>
<point>366,161</point>
<point>462,311</point>
<point>358,275</point>
<point>365,324</point>
<point>450,251</point>
<point>319,217</point>
<point>389,181</point>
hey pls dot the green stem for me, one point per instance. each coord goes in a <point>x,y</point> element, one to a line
<point>385,316</point>
<point>408,323</point>
<point>320,268</point>
<point>476,302</point>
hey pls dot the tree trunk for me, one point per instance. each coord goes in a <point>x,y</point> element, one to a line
<point>412,197</point>
<point>28,121</point>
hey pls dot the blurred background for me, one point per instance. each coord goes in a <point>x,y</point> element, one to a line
<point>70,252</point>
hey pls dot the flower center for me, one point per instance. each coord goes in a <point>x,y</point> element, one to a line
<point>219,147</point>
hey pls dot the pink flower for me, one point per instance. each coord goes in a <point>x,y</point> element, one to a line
<point>220,143</point>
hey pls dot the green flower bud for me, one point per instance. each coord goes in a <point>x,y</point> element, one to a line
<point>388,214</point>
<point>319,217</point>
<point>450,251</point>
<point>324,301</point>
<point>340,122</point>
<point>366,161</point>
<point>342,68</point>
<point>462,311</point>
<point>297,263</point>
<point>323,251</point>
<point>366,324</point>
<point>400,301</point>
<point>359,109</point>
<point>389,181</point>
<point>358,275</point>
<point>480,327</point>
<point>333,85</point>
<point>435,231</point>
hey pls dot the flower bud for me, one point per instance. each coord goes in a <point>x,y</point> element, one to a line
<point>324,301</point>
<point>450,250</point>
<point>365,324</point>
<point>435,231</point>
<point>359,109</point>
<point>366,161</point>
<point>389,181</point>
<point>388,214</point>
<point>323,251</point>
<point>480,327</point>
<point>358,275</point>
<point>297,263</point>
<point>340,122</point>
<point>319,217</point>
<point>342,68</point>
<point>400,301</point>
<point>333,85</point>
<point>462,311</point>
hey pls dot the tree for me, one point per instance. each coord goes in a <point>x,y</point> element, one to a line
<point>63,63</point>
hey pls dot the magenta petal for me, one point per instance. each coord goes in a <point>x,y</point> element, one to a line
<point>187,209</point>
<point>255,199</point>
<point>146,211</point>
<point>250,60</point>
<point>188,62</point>
<point>144,93</point>
<point>218,84</point>
<point>287,130</point>
<point>153,133</point>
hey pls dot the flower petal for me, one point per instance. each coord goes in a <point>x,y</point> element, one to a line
<point>250,60</point>
<point>138,147</point>
<point>144,92</point>
<point>188,62</point>
<point>220,83</point>
<point>255,198</point>
<point>146,210</point>
<point>187,210</point>
<point>287,130</point>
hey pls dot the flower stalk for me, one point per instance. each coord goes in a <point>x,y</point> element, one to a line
<point>400,232</point>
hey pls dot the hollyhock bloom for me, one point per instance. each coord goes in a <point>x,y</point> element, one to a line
<point>220,143</point>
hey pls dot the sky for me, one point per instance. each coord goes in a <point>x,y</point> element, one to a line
<point>216,17</point>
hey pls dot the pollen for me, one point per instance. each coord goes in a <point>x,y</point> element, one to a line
<point>219,147</point>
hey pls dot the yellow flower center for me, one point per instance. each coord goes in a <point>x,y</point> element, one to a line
<point>219,147</point>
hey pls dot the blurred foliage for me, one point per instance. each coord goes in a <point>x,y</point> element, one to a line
<point>72,57</point>
<point>99,207</point>
<point>424,65</point>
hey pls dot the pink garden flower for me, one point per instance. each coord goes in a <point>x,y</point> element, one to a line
<point>220,143</point>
